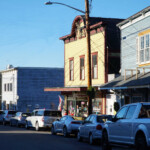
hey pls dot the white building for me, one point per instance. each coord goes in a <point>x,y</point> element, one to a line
<point>23,87</point>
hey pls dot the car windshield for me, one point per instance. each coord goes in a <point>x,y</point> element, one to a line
<point>103,119</point>
<point>52,113</point>
<point>26,114</point>
<point>11,112</point>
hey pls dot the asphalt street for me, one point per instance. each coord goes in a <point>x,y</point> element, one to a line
<point>13,138</point>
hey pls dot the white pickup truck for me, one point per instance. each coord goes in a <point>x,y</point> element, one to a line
<point>130,127</point>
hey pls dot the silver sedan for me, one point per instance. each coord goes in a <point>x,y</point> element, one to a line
<point>66,125</point>
<point>91,128</point>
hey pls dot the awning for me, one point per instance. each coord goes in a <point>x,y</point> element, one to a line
<point>119,83</point>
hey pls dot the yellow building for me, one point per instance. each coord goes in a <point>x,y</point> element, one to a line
<point>105,59</point>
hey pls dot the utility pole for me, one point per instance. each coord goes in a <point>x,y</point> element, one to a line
<point>89,84</point>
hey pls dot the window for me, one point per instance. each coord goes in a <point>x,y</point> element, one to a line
<point>130,112</point>
<point>94,66</point>
<point>10,86</point>
<point>71,73</point>
<point>82,68</point>
<point>121,113</point>
<point>143,49</point>
<point>5,87</point>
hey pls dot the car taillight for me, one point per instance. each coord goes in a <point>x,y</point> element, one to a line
<point>42,119</point>
<point>99,127</point>
<point>75,122</point>
<point>20,118</point>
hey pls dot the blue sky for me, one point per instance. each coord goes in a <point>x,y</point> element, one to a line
<point>30,30</point>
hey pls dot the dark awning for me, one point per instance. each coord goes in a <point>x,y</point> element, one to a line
<point>119,83</point>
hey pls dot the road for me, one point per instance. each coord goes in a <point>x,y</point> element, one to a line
<point>13,138</point>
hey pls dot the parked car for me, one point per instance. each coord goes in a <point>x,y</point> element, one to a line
<point>1,116</point>
<point>66,125</point>
<point>19,119</point>
<point>91,128</point>
<point>42,118</point>
<point>7,115</point>
<point>130,127</point>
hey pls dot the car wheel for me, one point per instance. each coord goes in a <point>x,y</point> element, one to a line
<point>140,142</point>
<point>17,124</point>
<point>37,126</point>
<point>4,123</point>
<point>91,139</point>
<point>53,130</point>
<point>79,136</point>
<point>105,142</point>
<point>11,123</point>
<point>26,125</point>
<point>65,132</point>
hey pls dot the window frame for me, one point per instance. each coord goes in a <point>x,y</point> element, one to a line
<point>143,45</point>
<point>93,74</point>
<point>71,76</point>
<point>83,67</point>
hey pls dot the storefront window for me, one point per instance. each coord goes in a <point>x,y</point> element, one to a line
<point>78,108</point>
<point>97,103</point>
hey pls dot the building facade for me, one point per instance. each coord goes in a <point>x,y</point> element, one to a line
<point>133,84</point>
<point>23,88</point>
<point>105,59</point>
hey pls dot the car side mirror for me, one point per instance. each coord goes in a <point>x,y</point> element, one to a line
<point>114,119</point>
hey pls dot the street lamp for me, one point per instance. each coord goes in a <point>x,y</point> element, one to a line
<point>50,3</point>
<point>89,83</point>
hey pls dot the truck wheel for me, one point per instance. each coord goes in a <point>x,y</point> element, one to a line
<point>37,126</point>
<point>140,142</point>
<point>105,142</point>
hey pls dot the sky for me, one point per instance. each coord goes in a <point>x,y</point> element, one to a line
<point>30,30</point>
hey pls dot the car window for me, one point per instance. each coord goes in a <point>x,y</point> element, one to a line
<point>88,118</point>
<point>144,112</point>
<point>130,112</point>
<point>121,113</point>
<point>11,112</point>
<point>63,118</point>
<point>1,112</point>
<point>40,113</point>
<point>103,119</point>
<point>35,113</point>
<point>92,118</point>
<point>52,113</point>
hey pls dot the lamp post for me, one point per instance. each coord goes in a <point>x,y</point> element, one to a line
<point>86,12</point>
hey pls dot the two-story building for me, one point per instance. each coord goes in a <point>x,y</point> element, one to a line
<point>134,83</point>
<point>23,87</point>
<point>105,59</point>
